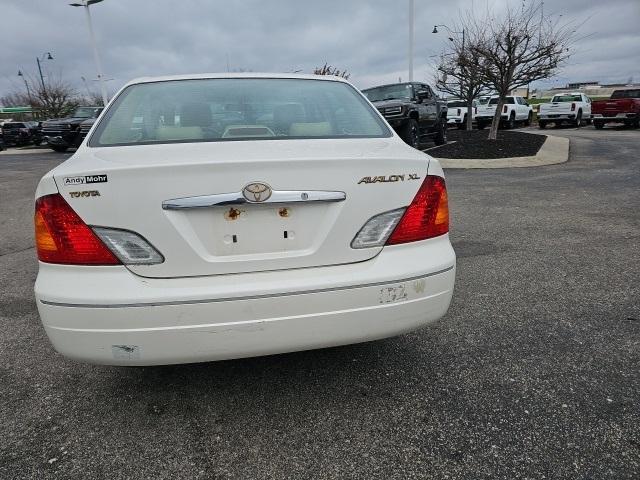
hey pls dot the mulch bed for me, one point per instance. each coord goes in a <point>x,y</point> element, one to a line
<point>474,144</point>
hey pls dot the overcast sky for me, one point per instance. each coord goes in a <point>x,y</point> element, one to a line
<point>367,37</point>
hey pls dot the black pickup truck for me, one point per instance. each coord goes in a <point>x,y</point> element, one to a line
<point>63,133</point>
<point>413,110</point>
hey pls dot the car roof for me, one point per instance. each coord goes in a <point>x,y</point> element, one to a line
<point>201,76</point>
<point>393,84</point>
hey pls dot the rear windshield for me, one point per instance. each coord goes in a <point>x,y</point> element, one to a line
<point>212,110</point>
<point>13,125</point>
<point>456,104</point>
<point>509,100</point>
<point>399,91</point>
<point>86,112</point>
<point>626,94</point>
<point>566,98</point>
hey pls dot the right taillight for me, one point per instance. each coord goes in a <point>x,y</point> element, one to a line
<point>427,216</point>
<point>62,237</point>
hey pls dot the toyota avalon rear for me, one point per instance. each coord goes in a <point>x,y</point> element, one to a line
<point>216,217</point>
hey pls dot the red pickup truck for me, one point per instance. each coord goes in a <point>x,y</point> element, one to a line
<point>622,107</point>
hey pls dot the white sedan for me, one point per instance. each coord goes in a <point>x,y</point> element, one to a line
<point>210,217</point>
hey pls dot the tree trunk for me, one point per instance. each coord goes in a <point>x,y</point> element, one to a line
<point>493,131</point>
<point>469,114</point>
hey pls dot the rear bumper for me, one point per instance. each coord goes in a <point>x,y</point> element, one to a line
<point>107,315</point>
<point>620,117</point>
<point>556,116</point>
<point>489,119</point>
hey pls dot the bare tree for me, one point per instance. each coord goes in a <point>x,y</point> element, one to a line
<point>523,46</point>
<point>458,73</point>
<point>55,99</point>
<point>327,69</point>
<point>91,98</point>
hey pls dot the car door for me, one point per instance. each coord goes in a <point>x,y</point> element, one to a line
<point>427,107</point>
<point>586,110</point>
<point>520,108</point>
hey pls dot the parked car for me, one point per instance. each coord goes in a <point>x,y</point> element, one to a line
<point>63,133</point>
<point>279,213</point>
<point>1,143</point>
<point>573,108</point>
<point>84,128</point>
<point>622,107</point>
<point>21,133</point>
<point>413,110</point>
<point>457,112</point>
<point>516,109</point>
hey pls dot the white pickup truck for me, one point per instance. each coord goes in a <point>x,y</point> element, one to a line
<point>573,108</point>
<point>457,112</point>
<point>515,109</point>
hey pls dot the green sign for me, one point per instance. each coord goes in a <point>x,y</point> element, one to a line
<point>15,109</point>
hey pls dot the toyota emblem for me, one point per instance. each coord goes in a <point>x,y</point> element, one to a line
<point>257,192</point>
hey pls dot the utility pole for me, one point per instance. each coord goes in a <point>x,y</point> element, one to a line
<point>96,56</point>
<point>411,5</point>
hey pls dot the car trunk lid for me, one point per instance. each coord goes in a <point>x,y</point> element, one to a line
<point>234,237</point>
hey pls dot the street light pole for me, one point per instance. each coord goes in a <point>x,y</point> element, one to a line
<point>26,84</point>
<point>411,5</point>
<point>96,56</point>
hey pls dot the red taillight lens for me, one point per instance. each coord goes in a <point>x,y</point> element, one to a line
<point>427,216</point>
<point>573,107</point>
<point>62,236</point>
<point>504,109</point>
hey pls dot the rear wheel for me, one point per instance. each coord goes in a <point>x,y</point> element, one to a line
<point>599,124</point>
<point>441,135</point>
<point>527,122</point>
<point>542,124</point>
<point>411,133</point>
<point>511,123</point>
<point>578,122</point>
<point>59,148</point>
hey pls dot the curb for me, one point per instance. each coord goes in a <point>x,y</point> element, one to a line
<point>31,151</point>
<point>554,150</point>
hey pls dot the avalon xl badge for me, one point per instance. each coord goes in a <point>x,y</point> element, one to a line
<point>257,192</point>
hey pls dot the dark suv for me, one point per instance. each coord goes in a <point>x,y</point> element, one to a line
<point>21,133</point>
<point>413,110</point>
<point>63,133</point>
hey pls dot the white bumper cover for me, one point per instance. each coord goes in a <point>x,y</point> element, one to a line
<point>108,315</point>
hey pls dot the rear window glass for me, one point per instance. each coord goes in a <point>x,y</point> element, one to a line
<point>567,98</point>
<point>626,94</point>
<point>509,100</point>
<point>13,125</point>
<point>211,110</point>
<point>456,104</point>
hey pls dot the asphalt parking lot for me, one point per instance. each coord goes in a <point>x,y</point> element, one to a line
<point>533,374</point>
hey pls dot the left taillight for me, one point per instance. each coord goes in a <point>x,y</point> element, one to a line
<point>62,237</point>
